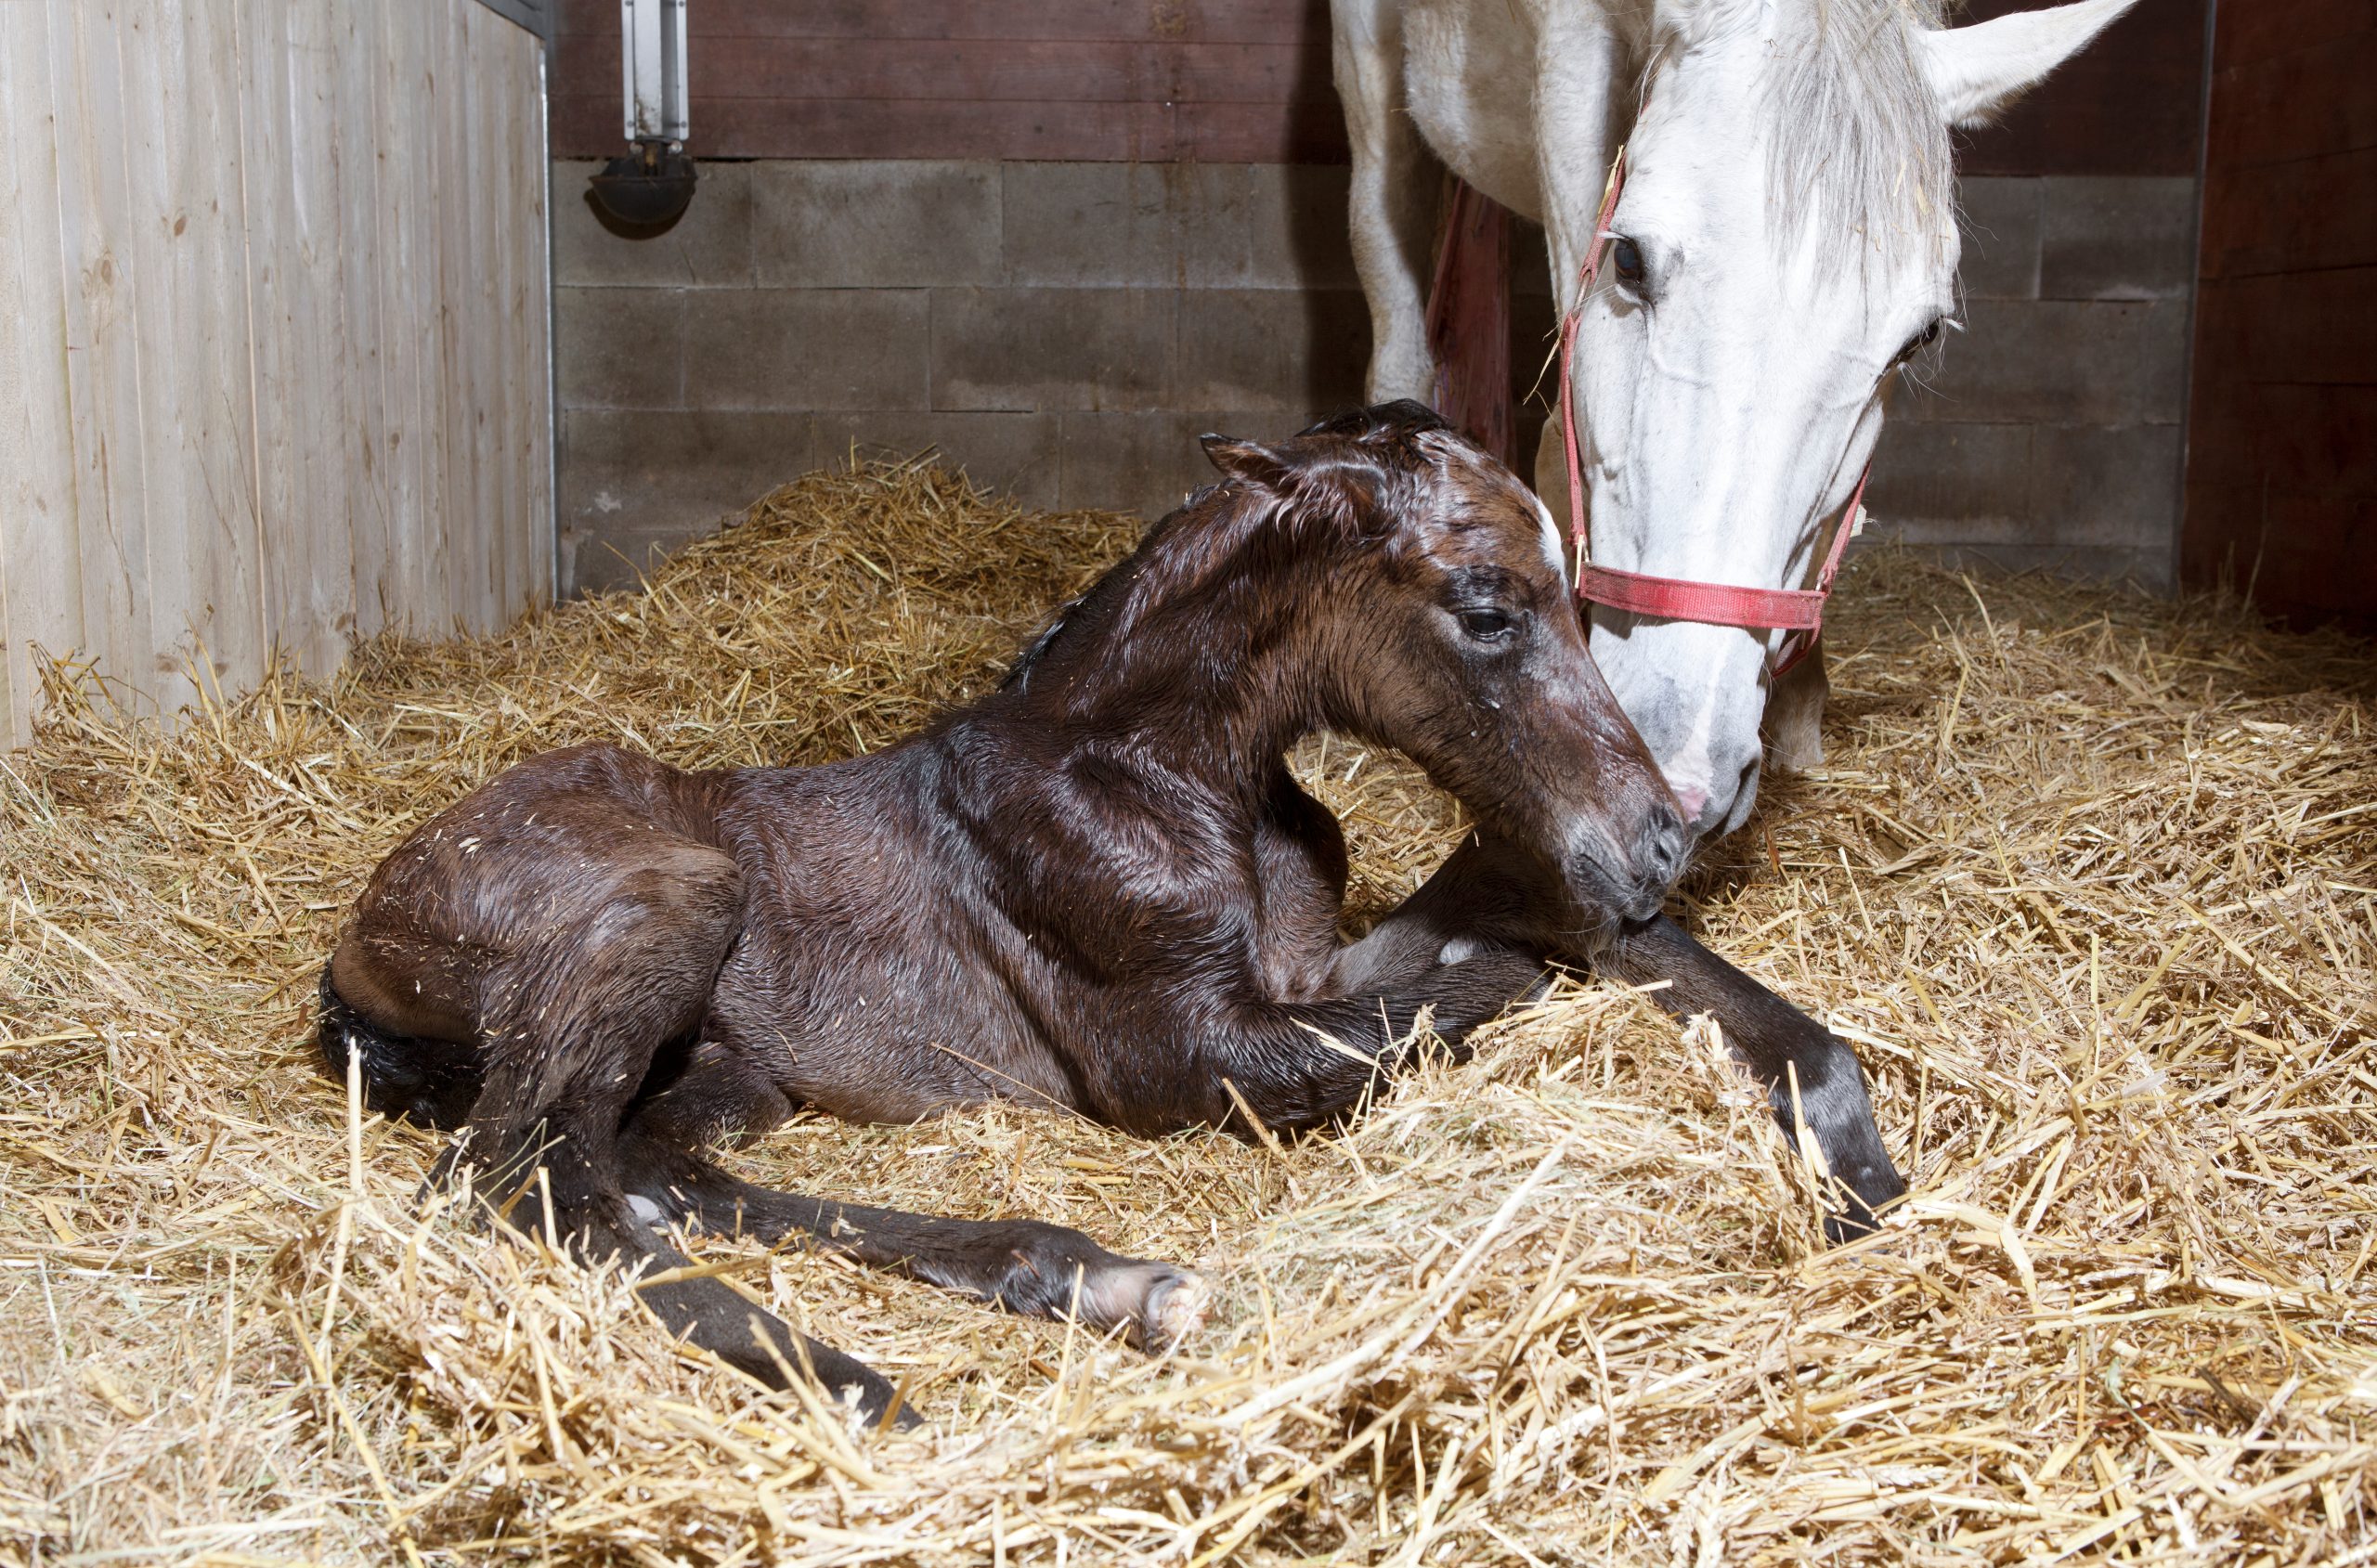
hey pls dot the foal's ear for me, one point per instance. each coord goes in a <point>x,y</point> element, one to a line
<point>1977,70</point>
<point>1249,461</point>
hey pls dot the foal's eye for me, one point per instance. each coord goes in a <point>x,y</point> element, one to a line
<point>1626,258</point>
<point>1919,343</point>
<point>1485,626</point>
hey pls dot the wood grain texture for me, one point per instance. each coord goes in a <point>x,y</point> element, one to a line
<point>1122,81</point>
<point>274,373</point>
<point>2281,493</point>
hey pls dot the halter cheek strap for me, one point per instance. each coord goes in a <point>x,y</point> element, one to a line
<point>1799,611</point>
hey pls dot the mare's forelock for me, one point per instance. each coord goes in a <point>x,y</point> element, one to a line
<point>1857,147</point>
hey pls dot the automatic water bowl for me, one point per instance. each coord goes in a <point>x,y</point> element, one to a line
<point>649,187</point>
<point>646,189</point>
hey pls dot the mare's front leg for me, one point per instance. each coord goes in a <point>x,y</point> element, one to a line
<point>1489,890</point>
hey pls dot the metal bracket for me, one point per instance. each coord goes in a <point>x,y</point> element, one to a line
<point>536,15</point>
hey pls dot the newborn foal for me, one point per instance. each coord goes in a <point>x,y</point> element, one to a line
<point>1097,887</point>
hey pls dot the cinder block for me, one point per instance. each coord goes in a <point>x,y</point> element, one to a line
<point>807,348</point>
<point>1124,225</point>
<point>1939,483</point>
<point>1015,454</point>
<point>1297,235</point>
<point>874,224</point>
<point>1998,218</point>
<point>2110,488</point>
<point>1280,349</point>
<point>710,246</point>
<point>1051,349</point>
<point>619,348</point>
<point>634,483</point>
<point>2129,237</point>
<point>1149,462</point>
<point>2060,362</point>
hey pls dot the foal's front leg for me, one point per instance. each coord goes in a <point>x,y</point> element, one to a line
<point>1491,891</point>
<point>1810,1073</point>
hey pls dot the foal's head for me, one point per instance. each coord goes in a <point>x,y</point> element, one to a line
<point>1423,601</point>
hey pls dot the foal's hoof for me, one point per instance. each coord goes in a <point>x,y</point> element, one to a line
<point>1176,1304</point>
<point>1156,1304</point>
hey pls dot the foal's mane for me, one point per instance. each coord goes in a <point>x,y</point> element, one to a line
<point>1334,476</point>
<point>1859,147</point>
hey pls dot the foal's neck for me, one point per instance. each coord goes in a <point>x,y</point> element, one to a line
<point>1196,656</point>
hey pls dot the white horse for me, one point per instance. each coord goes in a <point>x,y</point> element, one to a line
<point>1784,242</point>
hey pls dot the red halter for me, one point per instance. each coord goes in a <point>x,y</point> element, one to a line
<point>1796,610</point>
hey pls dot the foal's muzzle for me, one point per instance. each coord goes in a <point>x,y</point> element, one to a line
<point>1631,881</point>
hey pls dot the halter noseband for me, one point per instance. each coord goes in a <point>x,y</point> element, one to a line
<point>1799,611</point>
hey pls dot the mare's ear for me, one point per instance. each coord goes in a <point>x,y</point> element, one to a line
<point>1249,461</point>
<point>1977,70</point>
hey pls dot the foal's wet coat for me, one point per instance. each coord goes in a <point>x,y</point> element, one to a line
<point>1097,889</point>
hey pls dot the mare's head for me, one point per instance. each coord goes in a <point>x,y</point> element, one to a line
<point>1784,246</point>
<point>1425,607</point>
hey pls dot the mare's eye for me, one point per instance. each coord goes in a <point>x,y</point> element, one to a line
<point>1919,341</point>
<point>1485,626</point>
<point>1626,258</point>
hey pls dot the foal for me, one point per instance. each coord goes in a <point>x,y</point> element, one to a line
<point>1097,887</point>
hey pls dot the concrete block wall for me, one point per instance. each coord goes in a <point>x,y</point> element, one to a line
<point>2051,432</point>
<point>1065,330</point>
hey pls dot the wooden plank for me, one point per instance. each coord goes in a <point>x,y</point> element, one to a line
<point>408,208</point>
<point>363,441</point>
<point>1215,22</point>
<point>447,201</point>
<point>526,311</point>
<point>317,599</point>
<point>277,334</point>
<point>1062,132</point>
<point>2302,104</point>
<point>2319,439</point>
<point>199,385</point>
<point>2308,558</point>
<point>102,345</point>
<point>2302,215</point>
<point>474,212</point>
<point>2263,28</point>
<point>154,76</point>
<point>40,542</point>
<point>1009,72</point>
<point>2302,327</point>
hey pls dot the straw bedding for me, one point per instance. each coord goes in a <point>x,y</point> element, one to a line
<point>2089,880</point>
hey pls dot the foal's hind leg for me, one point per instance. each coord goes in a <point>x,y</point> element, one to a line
<point>637,924</point>
<point>1026,1267</point>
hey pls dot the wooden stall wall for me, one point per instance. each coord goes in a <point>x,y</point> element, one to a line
<point>273,315</point>
<point>1097,80</point>
<point>2281,494</point>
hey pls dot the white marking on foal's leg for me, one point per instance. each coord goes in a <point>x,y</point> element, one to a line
<point>1457,950</point>
<point>647,1210</point>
